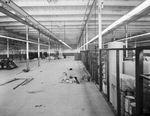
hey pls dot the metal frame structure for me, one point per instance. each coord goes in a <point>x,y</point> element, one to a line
<point>88,62</point>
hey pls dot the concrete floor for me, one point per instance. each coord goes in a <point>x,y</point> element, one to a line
<point>45,96</point>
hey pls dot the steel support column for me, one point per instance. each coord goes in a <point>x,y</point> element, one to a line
<point>27,47</point>
<point>100,23</point>
<point>82,42</point>
<point>57,47</point>
<point>86,31</point>
<point>84,38</point>
<point>139,82</point>
<point>118,83</point>
<point>38,48</point>
<point>100,71</point>
<point>49,49</point>
<point>100,40</point>
<point>7,48</point>
<point>126,41</point>
<point>107,68</point>
<point>80,45</point>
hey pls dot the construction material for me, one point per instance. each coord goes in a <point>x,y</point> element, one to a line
<point>39,106</point>
<point>20,84</point>
<point>7,64</point>
<point>68,78</point>
<point>35,91</point>
<point>15,79</point>
<point>26,81</point>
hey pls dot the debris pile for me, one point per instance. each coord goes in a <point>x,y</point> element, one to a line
<point>68,79</point>
<point>73,76</point>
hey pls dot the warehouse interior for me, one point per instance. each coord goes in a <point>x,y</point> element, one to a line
<point>103,45</point>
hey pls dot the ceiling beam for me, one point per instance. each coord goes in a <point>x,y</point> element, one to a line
<point>72,24</point>
<point>19,14</point>
<point>133,27</point>
<point>63,3</point>
<point>133,37</point>
<point>61,19</point>
<point>77,3</point>
<point>43,12</point>
<point>71,19</point>
<point>69,31</point>
<point>7,37</point>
